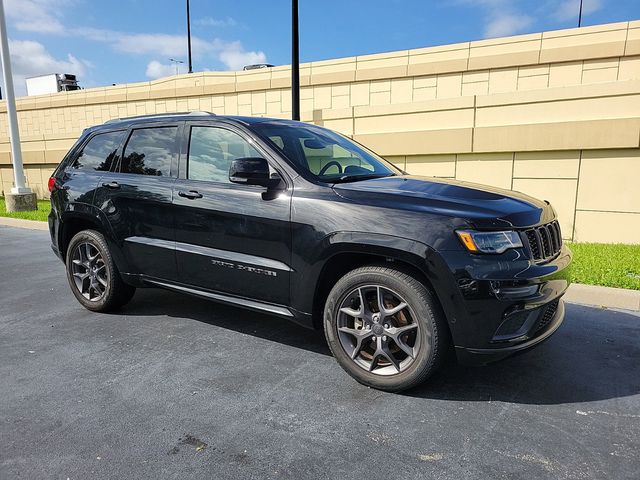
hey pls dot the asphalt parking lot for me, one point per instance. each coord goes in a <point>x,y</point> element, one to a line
<point>177,387</point>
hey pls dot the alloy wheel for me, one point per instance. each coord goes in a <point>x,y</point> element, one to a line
<point>89,271</point>
<point>378,330</point>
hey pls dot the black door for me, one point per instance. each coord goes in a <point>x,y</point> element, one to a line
<point>230,238</point>
<point>136,199</point>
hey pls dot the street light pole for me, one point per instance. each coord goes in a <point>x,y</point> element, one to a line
<point>17,199</point>
<point>295,62</point>
<point>189,37</point>
<point>175,63</point>
<point>580,15</point>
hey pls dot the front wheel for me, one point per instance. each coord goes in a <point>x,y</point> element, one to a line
<point>385,328</point>
<point>93,275</point>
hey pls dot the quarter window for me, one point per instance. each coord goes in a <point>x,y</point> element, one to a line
<point>100,153</point>
<point>149,151</point>
<point>211,151</point>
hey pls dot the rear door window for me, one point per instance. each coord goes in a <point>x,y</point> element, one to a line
<point>100,152</point>
<point>150,151</point>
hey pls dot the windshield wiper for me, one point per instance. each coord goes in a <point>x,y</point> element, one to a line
<point>355,178</point>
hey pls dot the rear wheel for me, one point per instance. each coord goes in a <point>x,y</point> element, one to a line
<point>385,328</point>
<point>92,274</point>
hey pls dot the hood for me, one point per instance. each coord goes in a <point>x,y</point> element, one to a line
<point>480,205</point>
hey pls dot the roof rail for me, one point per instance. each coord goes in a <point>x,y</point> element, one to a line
<point>160,115</point>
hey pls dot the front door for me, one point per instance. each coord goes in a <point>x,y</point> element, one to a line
<point>230,238</point>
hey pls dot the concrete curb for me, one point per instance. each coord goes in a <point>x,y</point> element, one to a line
<point>604,297</point>
<point>593,295</point>
<point>20,223</point>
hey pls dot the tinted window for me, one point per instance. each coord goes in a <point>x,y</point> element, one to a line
<point>100,152</point>
<point>211,151</point>
<point>149,151</point>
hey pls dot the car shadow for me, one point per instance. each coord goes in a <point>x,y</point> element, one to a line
<point>151,301</point>
<point>595,355</point>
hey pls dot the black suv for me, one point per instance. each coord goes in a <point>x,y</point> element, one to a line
<point>298,221</point>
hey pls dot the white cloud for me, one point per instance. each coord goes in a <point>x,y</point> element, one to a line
<point>215,22</point>
<point>502,17</point>
<point>141,43</point>
<point>231,54</point>
<point>569,9</point>
<point>235,57</point>
<point>42,16</point>
<point>155,69</point>
<point>29,58</point>
<point>159,43</point>
<point>47,16</point>
<point>505,24</point>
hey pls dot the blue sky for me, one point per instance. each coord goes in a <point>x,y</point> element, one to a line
<point>120,41</point>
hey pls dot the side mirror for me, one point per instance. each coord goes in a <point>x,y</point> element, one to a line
<point>251,171</point>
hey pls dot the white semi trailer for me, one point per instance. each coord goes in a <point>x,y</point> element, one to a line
<point>51,83</point>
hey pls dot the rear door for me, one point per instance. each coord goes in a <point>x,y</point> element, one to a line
<point>79,176</point>
<point>229,238</point>
<point>136,198</point>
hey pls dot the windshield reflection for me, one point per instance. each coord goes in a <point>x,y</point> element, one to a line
<point>326,155</point>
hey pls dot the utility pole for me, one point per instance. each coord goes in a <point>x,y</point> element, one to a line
<point>189,37</point>
<point>21,197</point>
<point>295,62</point>
<point>580,15</point>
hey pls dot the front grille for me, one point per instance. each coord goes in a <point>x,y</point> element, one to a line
<point>544,241</point>
<point>546,317</point>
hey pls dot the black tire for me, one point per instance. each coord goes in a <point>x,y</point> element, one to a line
<point>115,292</point>
<point>430,342</point>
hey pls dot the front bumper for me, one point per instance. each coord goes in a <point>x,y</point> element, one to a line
<point>504,304</point>
<point>482,356</point>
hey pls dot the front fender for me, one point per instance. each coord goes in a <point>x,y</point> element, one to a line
<point>310,267</point>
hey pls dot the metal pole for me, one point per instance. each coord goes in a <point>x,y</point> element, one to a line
<point>580,15</point>
<point>295,62</point>
<point>189,37</point>
<point>14,135</point>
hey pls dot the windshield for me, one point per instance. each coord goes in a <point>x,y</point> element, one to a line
<point>327,155</point>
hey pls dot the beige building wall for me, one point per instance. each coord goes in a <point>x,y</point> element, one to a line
<point>553,114</point>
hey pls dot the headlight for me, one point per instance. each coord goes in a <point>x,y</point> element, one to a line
<point>489,242</point>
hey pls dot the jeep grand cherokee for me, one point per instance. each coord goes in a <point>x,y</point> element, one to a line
<point>298,221</point>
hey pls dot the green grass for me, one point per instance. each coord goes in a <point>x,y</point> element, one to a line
<point>44,207</point>
<point>609,265</point>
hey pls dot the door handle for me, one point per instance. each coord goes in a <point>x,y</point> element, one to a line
<point>191,194</point>
<point>111,185</point>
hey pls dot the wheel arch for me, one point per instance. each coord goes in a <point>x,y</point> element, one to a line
<point>81,217</point>
<point>411,257</point>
